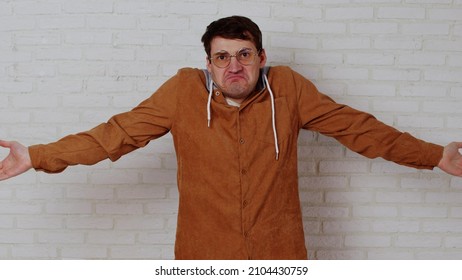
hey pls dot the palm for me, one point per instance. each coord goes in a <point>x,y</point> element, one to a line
<point>17,161</point>
<point>452,159</point>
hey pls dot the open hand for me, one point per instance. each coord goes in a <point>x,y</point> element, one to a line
<point>451,162</point>
<point>17,162</point>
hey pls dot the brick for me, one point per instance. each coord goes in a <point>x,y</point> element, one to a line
<point>398,43</point>
<point>424,212</point>
<point>371,90</point>
<point>34,252</point>
<point>422,59</point>
<point>139,223</point>
<point>34,101</point>
<point>90,193</point>
<point>78,37</point>
<point>61,236</point>
<point>418,241</point>
<point>14,117</point>
<point>374,28</point>
<point>293,11</point>
<point>425,28</point>
<point>144,38</point>
<point>355,13</point>
<point>385,226</point>
<point>423,122</point>
<point>422,91</point>
<point>450,107</point>
<point>38,38</point>
<point>443,75</point>
<point>89,222</point>
<point>88,7</point>
<point>367,241</point>
<point>141,192</point>
<point>405,13</point>
<point>36,8</point>
<point>119,209</point>
<point>396,75</point>
<point>322,28</point>
<point>346,43</point>
<point>349,197</point>
<point>16,23</point>
<point>326,212</point>
<point>395,106</point>
<point>370,59</point>
<point>110,237</point>
<point>322,182</point>
<point>84,252</point>
<point>82,207</point>
<point>375,211</point>
<point>34,222</point>
<point>140,7</point>
<point>424,183</point>
<point>329,166</point>
<point>291,42</point>
<point>136,252</point>
<point>339,255</point>
<point>15,56</point>
<point>341,227</point>
<point>445,14</point>
<point>61,22</point>
<point>111,22</point>
<point>399,197</point>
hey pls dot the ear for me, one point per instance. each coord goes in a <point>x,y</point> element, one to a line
<point>262,57</point>
<point>208,63</point>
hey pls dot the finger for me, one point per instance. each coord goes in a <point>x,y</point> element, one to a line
<point>458,144</point>
<point>5,144</point>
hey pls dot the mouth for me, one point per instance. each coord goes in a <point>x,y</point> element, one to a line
<point>233,78</point>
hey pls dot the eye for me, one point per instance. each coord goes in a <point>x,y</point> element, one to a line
<point>245,54</point>
<point>223,56</point>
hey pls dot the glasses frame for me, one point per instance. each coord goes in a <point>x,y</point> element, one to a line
<point>236,55</point>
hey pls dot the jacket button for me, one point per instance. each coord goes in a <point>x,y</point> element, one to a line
<point>243,171</point>
<point>245,203</point>
<point>217,93</point>
<point>242,141</point>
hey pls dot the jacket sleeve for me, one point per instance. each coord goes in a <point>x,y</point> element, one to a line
<point>122,134</point>
<point>361,132</point>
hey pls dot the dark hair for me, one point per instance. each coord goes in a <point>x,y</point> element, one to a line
<point>234,27</point>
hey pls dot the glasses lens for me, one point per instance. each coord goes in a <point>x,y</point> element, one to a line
<point>221,59</point>
<point>245,57</point>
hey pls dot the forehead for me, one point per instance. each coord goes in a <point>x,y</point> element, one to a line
<point>230,45</point>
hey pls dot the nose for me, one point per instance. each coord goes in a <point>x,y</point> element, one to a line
<point>234,64</point>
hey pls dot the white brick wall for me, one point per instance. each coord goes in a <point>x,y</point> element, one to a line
<point>66,65</point>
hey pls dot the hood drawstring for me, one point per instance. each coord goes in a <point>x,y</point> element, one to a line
<point>273,117</point>
<point>209,102</point>
<point>273,111</point>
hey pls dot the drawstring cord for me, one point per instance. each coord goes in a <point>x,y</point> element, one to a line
<point>273,118</point>
<point>209,102</point>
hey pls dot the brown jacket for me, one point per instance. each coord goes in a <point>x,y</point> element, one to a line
<point>236,200</point>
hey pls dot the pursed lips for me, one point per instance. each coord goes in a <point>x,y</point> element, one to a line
<point>234,77</point>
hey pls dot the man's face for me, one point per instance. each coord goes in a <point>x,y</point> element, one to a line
<point>236,80</point>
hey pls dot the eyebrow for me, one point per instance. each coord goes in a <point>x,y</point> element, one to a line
<point>240,50</point>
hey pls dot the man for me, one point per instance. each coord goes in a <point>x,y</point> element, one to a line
<point>235,128</point>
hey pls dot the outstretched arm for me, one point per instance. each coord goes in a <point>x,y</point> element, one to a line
<point>17,162</point>
<point>451,162</point>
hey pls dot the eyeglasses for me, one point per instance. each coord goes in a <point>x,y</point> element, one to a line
<point>223,59</point>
